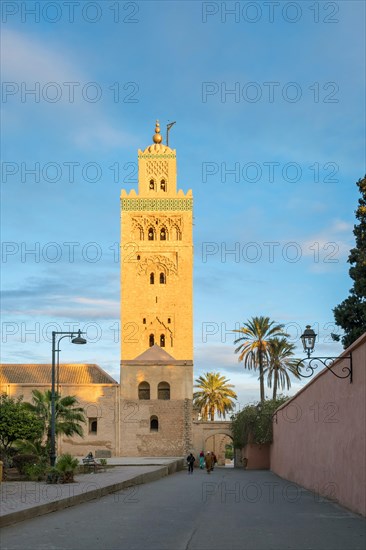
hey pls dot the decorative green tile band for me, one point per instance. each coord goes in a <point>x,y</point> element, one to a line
<point>156,204</point>
<point>150,156</point>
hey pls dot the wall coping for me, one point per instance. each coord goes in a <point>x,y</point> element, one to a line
<point>37,384</point>
<point>212,423</point>
<point>152,363</point>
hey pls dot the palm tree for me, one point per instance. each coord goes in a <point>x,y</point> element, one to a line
<point>68,415</point>
<point>281,363</point>
<point>215,395</point>
<point>255,335</point>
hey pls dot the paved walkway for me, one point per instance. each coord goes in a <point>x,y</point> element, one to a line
<point>231,509</point>
<point>22,500</point>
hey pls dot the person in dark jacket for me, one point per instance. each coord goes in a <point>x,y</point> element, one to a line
<point>190,461</point>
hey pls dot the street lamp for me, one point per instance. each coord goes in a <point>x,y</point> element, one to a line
<point>308,341</point>
<point>75,339</point>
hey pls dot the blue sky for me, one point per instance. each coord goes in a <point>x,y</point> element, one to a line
<point>269,105</point>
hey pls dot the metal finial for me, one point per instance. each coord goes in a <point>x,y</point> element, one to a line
<point>157,138</point>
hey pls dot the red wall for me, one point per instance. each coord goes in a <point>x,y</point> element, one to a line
<point>319,437</point>
<point>257,456</point>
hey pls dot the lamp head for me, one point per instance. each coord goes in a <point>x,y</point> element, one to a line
<point>308,339</point>
<point>78,339</point>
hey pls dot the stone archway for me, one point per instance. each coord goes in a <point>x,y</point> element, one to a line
<point>218,443</point>
<point>211,436</point>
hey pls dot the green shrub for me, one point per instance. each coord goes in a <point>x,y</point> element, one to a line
<point>35,472</point>
<point>52,475</point>
<point>21,461</point>
<point>229,453</point>
<point>67,465</point>
<point>254,423</point>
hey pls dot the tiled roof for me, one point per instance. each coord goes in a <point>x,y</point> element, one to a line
<point>41,374</point>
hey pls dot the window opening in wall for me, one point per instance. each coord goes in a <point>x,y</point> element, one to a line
<point>162,279</point>
<point>163,234</point>
<point>150,234</point>
<point>177,234</point>
<point>152,277</point>
<point>164,390</point>
<point>162,341</point>
<point>138,257</point>
<point>154,424</point>
<point>144,390</point>
<point>152,185</point>
<point>151,340</point>
<point>93,425</point>
<point>163,185</point>
<point>144,320</point>
<point>169,320</point>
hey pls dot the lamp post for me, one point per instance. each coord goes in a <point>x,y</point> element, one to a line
<point>75,339</point>
<point>308,340</point>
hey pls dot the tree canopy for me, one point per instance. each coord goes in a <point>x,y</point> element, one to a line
<point>69,416</point>
<point>17,423</point>
<point>254,339</point>
<point>281,363</point>
<point>214,395</point>
<point>254,423</point>
<point>350,314</point>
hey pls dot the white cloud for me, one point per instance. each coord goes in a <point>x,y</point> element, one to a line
<point>329,246</point>
<point>27,62</point>
<point>25,58</point>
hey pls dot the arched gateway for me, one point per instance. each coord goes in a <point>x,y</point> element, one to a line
<point>211,436</point>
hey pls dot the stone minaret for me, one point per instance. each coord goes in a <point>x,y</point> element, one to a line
<point>156,309</point>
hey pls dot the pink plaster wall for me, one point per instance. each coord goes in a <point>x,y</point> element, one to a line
<point>258,456</point>
<point>319,437</point>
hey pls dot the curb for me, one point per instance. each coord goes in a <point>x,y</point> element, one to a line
<point>42,509</point>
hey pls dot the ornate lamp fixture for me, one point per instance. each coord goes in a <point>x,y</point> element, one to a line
<point>311,364</point>
<point>308,340</point>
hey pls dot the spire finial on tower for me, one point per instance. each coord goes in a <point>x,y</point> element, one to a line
<point>157,138</point>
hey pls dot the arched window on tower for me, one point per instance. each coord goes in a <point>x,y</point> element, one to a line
<point>151,340</point>
<point>163,185</point>
<point>154,424</point>
<point>144,390</point>
<point>150,234</point>
<point>140,232</point>
<point>152,185</point>
<point>176,233</point>
<point>162,340</point>
<point>162,278</point>
<point>152,278</point>
<point>163,234</point>
<point>164,390</point>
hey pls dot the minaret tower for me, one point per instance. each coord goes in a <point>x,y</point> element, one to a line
<point>156,308</point>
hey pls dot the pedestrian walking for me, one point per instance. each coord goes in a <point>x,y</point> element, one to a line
<point>202,460</point>
<point>190,461</point>
<point>208,461</point>
<point>214,460</point>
